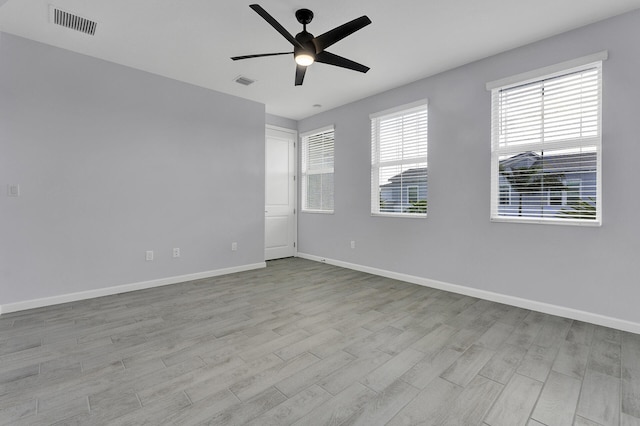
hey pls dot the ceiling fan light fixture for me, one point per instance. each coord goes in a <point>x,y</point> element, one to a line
<point>304,59</point>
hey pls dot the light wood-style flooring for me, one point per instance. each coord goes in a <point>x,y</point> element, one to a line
<point>306,343</point>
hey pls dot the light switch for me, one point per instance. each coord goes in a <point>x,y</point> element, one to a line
<point>13,190</point>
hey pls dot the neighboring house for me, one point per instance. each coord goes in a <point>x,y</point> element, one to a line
<point>533,185</point>
<point>404,190</point>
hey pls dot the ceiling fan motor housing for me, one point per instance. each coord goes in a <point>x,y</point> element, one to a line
<point>304,16</point>
<point>306,40</point>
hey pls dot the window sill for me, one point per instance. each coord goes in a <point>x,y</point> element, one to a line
<point>401,215</point>
<point>317,211</point>
<point>539,221</point>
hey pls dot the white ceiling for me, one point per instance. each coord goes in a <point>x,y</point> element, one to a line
<point>192,40</point>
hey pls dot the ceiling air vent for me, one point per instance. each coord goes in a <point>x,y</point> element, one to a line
<point>72,21</point>
<point>244,80</point>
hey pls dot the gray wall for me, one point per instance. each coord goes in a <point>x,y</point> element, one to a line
<point>112,162</point>
<point>593,269</point>
<point>276,120</point>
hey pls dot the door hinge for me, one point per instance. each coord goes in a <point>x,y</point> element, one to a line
<point>294,244</point>
<point>294,211</point>
<point>294,177</point>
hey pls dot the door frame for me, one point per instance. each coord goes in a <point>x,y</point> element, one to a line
<point>294,134</point>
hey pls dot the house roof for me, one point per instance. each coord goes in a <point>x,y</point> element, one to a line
<point>579,162</point>
<point>583,162</point>
<point>408,176</point>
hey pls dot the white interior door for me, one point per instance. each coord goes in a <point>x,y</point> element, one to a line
<point>280,190</point>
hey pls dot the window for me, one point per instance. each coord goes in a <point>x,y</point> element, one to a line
<point>317,171</point>
<point>412,194</point>
<point>546,144</point>
<point>399,161</point>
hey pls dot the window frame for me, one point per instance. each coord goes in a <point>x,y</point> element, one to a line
<point>305,171</point>
<point>548,73</point>
<point>376,164</point>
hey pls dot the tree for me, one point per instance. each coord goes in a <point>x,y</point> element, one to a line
<point>383,204</point>
<point>418,207</point>
<point>580,210</point>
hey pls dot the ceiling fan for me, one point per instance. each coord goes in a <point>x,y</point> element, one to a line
<point>308,49</point>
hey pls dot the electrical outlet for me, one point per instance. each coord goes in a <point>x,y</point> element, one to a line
<point>353,244</point>
<point>149,255</point>
<point>234,246</point>
<point>13,190</point>
<point>176,252</point>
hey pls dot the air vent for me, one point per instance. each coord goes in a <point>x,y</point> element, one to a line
<point>244,80</point>
<point>72,21</point>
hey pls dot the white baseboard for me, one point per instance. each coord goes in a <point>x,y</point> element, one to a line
<point>533,305</point>
<point>108,291</point>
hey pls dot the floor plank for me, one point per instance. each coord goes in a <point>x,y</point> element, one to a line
<point>465,368</point>
<point>572,359</point>
<point>631,391</point>
<point>537,362</point>
<point>558,401</point>
<point>383,407</point>
<point>338,410</point>
<point>293,408</point>
<point>473,403</point>
<point>515,404</point>
<point>503,364</point>
<point>429,405</point>
<point>600,398</point>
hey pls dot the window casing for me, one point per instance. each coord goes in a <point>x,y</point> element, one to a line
<point>399,161</point>
<point>546,148</point>
<point>317,171</point>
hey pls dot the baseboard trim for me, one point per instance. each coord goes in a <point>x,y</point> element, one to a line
<point>109,291</point>
<point>533,305</point>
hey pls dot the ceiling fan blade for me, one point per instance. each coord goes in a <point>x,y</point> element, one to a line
<point>259,55</point>
<point>275,24</point>
<point>339,61</point>
<point>330,37</point>
<point>300,70</point>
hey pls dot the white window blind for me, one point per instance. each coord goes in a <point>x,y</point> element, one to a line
<point>546,144</point>
<point>317,171</point>
<point>399,161</point>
